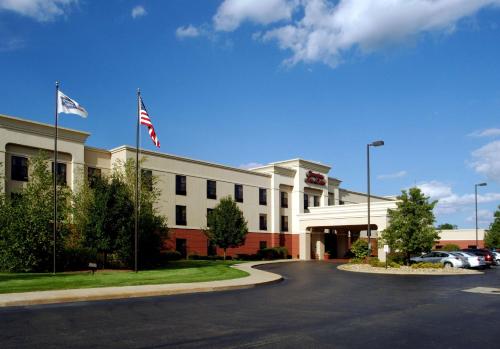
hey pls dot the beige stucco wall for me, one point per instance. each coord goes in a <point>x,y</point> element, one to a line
<point>166,167</point>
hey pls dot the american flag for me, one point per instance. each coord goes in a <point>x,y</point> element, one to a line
<point>145,120</point>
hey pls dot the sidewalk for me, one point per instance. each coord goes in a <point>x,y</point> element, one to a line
<point>256,277</point>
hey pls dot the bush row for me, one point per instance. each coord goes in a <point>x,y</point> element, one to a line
<point>426,265</point>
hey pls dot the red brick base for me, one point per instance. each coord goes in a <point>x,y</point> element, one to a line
<point>197,242</point>
<point>460,243</point>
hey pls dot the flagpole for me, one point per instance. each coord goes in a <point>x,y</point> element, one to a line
<point>137,165</point>
<point>54,226</point>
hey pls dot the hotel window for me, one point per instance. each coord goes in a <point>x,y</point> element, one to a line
<point>262,245</point>
<point>262,196</point>
<point>61,173</point>
<point>180,215</point>
<point>341,202</point>
<point>284,199</point>
<point>331,199</point>
<point>238,193</point>
<point>284,223</point>
<point>93,174</point>
<point>19,168</point>
<point>209,212</point>
<point>180,185</point>
<point>316,200</point>
<point>306,202</point>
<point>211,189</point>
<point>147,179</point>
<point>263,222</point>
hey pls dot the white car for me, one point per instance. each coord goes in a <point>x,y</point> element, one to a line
<point>445,258</point>
<point>473,260</point>
<point>496,256</point>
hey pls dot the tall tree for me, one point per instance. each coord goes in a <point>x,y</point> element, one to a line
<point>26,219</point>
<point>492,237</point>
<point>104,216</point>
<point>227,228</point>
<point>411,226</point>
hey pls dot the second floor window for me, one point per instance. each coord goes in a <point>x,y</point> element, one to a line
<point>284,223</point>
<point>316,200</point>
<point>19,168</point>
<point>306,202</point>
<point>61,173</point>
<point>209,212</point>
<point>180,215</point>
<point>262,196</point>
<point>284,199</point>
<point>263,222</point>
<point>147,179</point>
<point>211,190</point>
<point>180,185</point>
<point>93,174</point>
<point>238,193</point>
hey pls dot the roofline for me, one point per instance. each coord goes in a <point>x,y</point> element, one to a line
<point>181,158</point>
<point>15,118</point>
<point>101,150</point>
<point>314,163</point>
<point>371,195</point>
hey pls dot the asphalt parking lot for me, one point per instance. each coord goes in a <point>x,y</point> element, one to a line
<point>316,306</point>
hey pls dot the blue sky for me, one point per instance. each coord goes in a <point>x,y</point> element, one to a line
<point>240,82</point>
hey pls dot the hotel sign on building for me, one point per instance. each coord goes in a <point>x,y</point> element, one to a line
<point>293,203</point>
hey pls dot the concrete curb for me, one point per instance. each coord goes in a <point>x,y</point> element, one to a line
<point>416,272</point>
<point>256,277</point>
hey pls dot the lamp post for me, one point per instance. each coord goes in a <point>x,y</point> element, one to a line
<point>475,192</point>
<point>369,230</point>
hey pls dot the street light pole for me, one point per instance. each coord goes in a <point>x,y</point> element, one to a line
<point>369,229</point>
<point>475,196</point>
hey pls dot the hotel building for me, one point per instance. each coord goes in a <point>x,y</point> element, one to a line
<point>292,203</point>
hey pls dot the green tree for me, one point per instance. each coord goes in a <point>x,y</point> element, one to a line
<point>104,216</point>
<point>492,236</point>
<point>447,226</point>
<point>227,227</point>
<point>26,235</point>
<point>411,226</point>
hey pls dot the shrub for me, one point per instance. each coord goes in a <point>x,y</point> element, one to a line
<point>78,258</point>
<point>356,261</point>
<point>393,265</point>
<point>273,253</point>
<point>247,257</point>
<point>360,248</point>
<point>422,265</point>
<point>374,262</point>
<point>166,256</point>
<point>451,247</point>
<point>396,257</point>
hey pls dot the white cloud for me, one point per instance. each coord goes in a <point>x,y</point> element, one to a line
<point>327,31</point>
<point>484,217</point>
<point>250,165</point>
<point>138,11</point>
<point>231,13</point>
<point>487,160</point>
<point>449,202</point>
<point>188,31</point>
<point>11,44</point>
<point>394,175</point>
<point>489,132</point>
<point>40,10</point>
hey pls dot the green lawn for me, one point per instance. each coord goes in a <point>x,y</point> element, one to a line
<point>175,272</point>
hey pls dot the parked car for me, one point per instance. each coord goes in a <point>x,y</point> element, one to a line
<point>488,256</point>
<point>446,258</point>
<point>473,260</point>
<point>496,257</point>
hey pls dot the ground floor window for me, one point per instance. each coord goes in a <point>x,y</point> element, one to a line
<point>211,248</point>
<point>262,245</point>
<point>181,247</point>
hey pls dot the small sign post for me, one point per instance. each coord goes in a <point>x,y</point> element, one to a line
<point>386,250</point>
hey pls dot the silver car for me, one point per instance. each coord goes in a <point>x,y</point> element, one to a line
<point>445,258</point>
<point>473,260</point>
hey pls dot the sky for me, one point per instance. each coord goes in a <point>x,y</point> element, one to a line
<point>248,82</point>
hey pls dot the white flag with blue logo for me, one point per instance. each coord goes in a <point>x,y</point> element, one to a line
<point>69,106</point>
